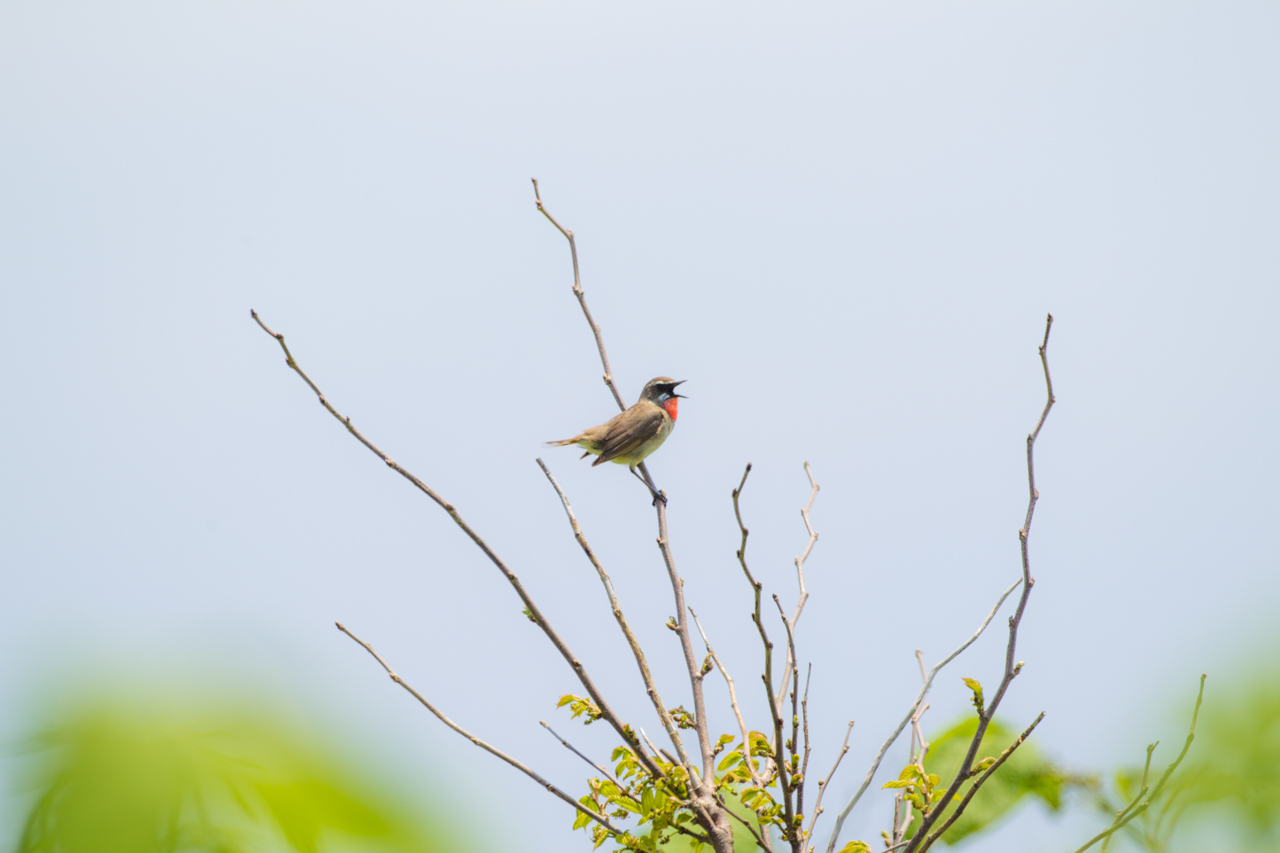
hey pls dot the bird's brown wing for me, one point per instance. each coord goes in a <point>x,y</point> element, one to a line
<point>629,430</point>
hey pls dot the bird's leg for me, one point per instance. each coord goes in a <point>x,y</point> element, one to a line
<point>657,495</point>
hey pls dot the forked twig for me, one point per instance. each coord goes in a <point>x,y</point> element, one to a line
<point>1135,807</point>
<point>733,696</point>
<point>790,668</point>
<point>1011,669</point>
<point>915,705</point>
<point>1004,756</point>
<point>823,783</point>
<point>757,587</point>
<point>616,609</point>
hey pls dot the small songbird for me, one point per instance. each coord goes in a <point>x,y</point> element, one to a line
<point>630,436</point>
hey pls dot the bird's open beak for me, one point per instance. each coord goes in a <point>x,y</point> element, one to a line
<point>674,384</point>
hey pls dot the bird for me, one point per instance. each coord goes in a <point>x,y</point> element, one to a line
<point>630,436</point>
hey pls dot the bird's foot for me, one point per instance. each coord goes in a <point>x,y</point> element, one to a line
<point>659,497</point>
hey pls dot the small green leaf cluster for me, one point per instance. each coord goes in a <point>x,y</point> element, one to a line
<point>661,803</point>
<point>918,786</point>
<point>682,717</point>
<point>742,772</point>
<point>581,708</point>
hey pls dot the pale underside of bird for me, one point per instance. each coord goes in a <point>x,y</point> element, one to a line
<point>630,436</point>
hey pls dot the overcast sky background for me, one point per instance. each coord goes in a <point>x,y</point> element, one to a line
<point>843,224</point>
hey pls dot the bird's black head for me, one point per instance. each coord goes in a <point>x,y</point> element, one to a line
<point>661,389</point>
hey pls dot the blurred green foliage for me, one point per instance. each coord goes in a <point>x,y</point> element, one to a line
<point>131,777</point>
<point>1238,747</point>
<point>1026,773</point>
<point>1226,796</point>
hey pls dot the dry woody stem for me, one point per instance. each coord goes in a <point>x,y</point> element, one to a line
<point>523,768</point>
<point>1011,669</point>
<point>616,608</point>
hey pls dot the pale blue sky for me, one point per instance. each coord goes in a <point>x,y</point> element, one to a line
<point>842,223</point>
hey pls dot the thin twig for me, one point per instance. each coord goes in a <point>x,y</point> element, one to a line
<point>756,588</point>
<point>804,716</point>
<point>781,766</point>
<point>762,840</point>
<point>650,687</point>
<point>605,773</point>
<point>625,790</point>
<point>605,709</point>
<point>924,689</point>
<point>582,300</point>
<point>686,645</point>
<point>790,807</point>
<point>523,768</point>
<point>789,669</point>
<point>824,783</point>
<point>1142,792</point>
<point>937,833</point>
<point>1011,669</point>
<point>902,812</point>
<point>1131,811</point>
<point>733,696</point>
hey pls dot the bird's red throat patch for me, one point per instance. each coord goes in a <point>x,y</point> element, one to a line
<point>672,406</point>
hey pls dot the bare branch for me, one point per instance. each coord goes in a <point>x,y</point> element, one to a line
<point>783,767</point>
<point>582,299</point>
<point>605,773</point>
<point>761,839</point>
<point>616,608</point>
<point>937,833</point>
<point>625,790</point>
<point>562,647</point>
<point>686,645</point>
<point>824,783</point>
<point>733,696</point>
<point>1011,669</point>
<point>902,813</point>
<point>924,690</point>
<point>804,716</point>
<point>756,588</point>
<point>789,669</point>
<point>523,768</point>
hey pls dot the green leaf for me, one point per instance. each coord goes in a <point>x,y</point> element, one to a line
<point>973,685</point>
<point>855,847</point>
